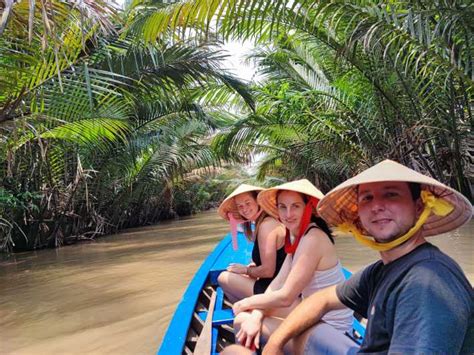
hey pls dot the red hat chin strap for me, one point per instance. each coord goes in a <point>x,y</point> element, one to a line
<point>233,226</point>
<point>305,220</point>
<point>308,211</point>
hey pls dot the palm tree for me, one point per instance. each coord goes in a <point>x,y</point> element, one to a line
<point>96,127</point>
<point>413,59</point>
<point>303,125</point>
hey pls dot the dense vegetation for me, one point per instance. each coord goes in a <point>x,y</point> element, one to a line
<point>111,119</point>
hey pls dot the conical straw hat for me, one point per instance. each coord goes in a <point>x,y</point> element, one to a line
<point>340,204</point>
<point>228,205</point>
<point>267,199</point>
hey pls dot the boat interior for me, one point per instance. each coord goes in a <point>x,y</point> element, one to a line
<point>222,318</point>
<point>221,332</point>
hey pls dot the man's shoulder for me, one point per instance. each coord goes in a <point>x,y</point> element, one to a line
<point>367,273</point>
<point>425,254</point>
<point>372,269</point>
<point>435,269</point>
<point>431,259</point>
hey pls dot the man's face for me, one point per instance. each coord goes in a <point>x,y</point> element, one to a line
<point>387,210</point>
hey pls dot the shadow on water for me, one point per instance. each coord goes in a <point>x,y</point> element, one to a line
<point>118,293</point>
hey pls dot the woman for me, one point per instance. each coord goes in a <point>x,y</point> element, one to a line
<point>240,281</point>
<point>311,264</point>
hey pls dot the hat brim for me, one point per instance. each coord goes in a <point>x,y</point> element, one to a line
<point>340,204</point>
<point>267,199</point>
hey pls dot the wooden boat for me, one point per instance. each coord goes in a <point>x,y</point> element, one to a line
<point>202,323</point>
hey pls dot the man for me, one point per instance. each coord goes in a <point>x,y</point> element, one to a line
<point>416,299</point>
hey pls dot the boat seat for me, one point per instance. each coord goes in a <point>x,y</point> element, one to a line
<point>223,316</point>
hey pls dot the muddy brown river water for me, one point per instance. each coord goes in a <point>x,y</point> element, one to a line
<point>118,293</point>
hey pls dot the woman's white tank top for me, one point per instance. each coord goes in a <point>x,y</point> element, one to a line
<point>339,319</point>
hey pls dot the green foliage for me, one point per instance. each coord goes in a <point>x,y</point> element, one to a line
<point>105,117</point>
<point>190,198</point>
<point>382,80</point>
<point>100,127</point>
<point>15,206</point>
<point>24,201</point>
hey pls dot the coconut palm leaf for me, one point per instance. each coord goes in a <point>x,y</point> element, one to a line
<point>414,60</point>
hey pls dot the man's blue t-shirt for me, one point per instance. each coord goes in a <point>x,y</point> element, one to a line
<point>419,303</point>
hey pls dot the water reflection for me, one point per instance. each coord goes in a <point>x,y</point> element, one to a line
<point>117,294</point>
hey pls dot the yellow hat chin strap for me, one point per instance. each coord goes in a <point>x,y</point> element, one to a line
<point>438,206</point>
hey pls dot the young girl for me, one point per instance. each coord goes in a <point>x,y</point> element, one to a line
<point>240,281</point>
<point>311,264</point>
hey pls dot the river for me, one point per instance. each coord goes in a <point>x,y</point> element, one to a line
<point>118,293</point>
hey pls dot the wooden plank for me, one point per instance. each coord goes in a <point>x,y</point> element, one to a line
<point>204,343</point>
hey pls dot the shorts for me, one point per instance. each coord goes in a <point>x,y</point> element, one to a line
<point>324,339</point>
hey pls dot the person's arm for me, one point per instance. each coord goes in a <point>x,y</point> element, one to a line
<point>431,311</point>
<point>238,268</point>
<point>306,260</point>
<point>280,278</point>
<point>305,315</point>
<point>268,234</point>
<point>250,329</point>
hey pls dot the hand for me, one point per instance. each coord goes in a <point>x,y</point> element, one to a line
<point>249,333</point>
<point>237,268</point>
<point>240,306</point>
